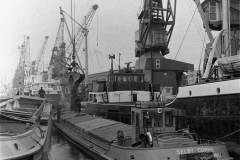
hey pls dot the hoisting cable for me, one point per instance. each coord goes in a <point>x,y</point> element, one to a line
<point>230,134</point>
<point>73,19</point>
<point>140,7</point>
<point>200,61</point>
<point>197,24</point>
<point>97,27</point>
<point>185,34</point>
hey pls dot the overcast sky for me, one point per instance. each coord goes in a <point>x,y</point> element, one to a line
<point>113,29</point>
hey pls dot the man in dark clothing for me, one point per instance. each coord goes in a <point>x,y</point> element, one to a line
<point>75,101</point>
<point>41,92</point>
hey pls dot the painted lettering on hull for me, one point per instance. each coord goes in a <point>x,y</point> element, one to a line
<point>198,151</point>
<point>194,150</point>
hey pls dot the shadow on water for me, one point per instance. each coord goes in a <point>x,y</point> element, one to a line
<point>60,149</point>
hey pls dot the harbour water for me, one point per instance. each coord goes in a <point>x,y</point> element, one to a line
<point>61,149</point>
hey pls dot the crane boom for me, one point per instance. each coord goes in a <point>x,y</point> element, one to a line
<point>86,23</point>
<point>76,40</point>
<point>40,57</point>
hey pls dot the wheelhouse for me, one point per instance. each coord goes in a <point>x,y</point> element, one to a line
<point>154,117</point>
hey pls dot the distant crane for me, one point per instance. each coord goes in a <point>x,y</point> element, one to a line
<point>23,68</point>
<point>40,57</point>
<point>27,60</point>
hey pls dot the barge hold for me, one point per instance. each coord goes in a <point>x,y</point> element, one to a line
<point>25,128</point>
<point>152,136</point>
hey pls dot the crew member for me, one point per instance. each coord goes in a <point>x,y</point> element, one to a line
<point>149,139</point>
<point>41,92</point>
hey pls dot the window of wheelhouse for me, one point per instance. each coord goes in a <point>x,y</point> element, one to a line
<point>129,78</point>
<point>124,78</point>
<point>133,117</point>
<point>158,119</point>
<point>139,78</point>
<point>147,119</point>
<point>137,119</point>
<point>135,78</point>
<point>168,118</point>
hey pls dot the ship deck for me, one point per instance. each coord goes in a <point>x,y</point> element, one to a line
<point>103,129</point>
<point>12,127</point>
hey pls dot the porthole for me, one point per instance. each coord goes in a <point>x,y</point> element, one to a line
<point>16,146</point>
<point>218,90</point>
<point>190,93</point>
<point>132,157</point>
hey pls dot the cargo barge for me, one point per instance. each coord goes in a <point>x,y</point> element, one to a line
<point>151,136</point>
<point>25,128</point>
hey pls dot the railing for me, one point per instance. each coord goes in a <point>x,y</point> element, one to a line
<point>192,136</point>
<point>187,135</point>
<point>2,104</point>
<point>38,112</point>
<point>206,141</point>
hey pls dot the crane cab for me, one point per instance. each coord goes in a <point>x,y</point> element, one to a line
<point>154,117</point>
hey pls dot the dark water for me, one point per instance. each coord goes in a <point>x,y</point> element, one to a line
<point>61,149</point>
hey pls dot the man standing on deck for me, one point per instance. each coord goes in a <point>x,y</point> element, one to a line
<point>75,100</point>
<point>41,92</point>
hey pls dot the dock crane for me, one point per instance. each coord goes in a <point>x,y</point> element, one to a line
<point>27,61</point>
<point>65,54</point>
<point>156,24</point>
<point>40,57</point>
<point>23,68</point>
<point>81,35</point>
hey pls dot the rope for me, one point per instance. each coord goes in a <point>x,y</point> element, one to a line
<point>185,34</point>
<point>204,40</point>
<point>230,134</point>
<point>198,26</point>
<point>97,27</point>
<point>140,7</point>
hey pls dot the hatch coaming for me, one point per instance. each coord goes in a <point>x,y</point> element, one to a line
<point>99,128</point>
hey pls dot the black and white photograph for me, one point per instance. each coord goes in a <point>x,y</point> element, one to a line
<point>120,80</point>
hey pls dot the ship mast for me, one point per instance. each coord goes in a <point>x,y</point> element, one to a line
<point>86,49</point>
<point>226,27</point>
<point>204,19</point>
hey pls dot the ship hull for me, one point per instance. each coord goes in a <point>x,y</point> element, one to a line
<point>97,137</point>
<point>211,116</point>
<point>212,110</point>
<point>77,141</point>
<point>22,138</point>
